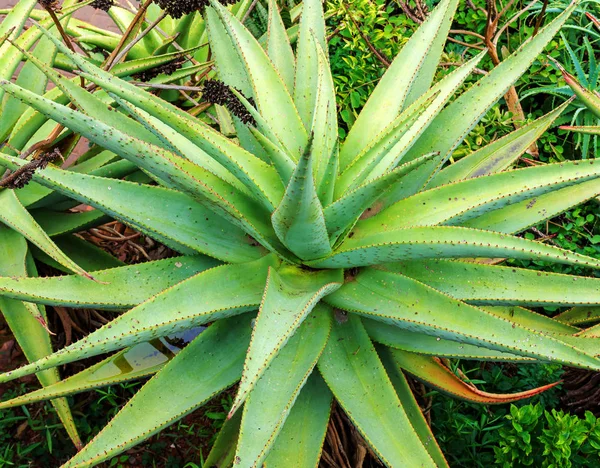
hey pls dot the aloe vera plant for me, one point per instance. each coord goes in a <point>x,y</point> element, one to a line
<point>324,269</point>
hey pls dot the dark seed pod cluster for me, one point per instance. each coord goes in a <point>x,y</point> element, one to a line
<point>53,5</point>
<point>179,8</point>
<point>217,92</point>
<point>103,5</point>
<point>166,69</point>
<point>22,176</point>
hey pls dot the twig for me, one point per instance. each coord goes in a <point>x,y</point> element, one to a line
<point>372,48</point>
<point>65,37</point>
<point>250,9</point>
<point>167,86</point>
<point>540,18</point>
<point>134,24</point>
<point>137,39</point>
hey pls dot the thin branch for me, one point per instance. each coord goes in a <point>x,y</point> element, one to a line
<point>135,41</point>
<point>134,24</point>
<point>250,9</point>
<point>371,47</point>
<point>540,18</point>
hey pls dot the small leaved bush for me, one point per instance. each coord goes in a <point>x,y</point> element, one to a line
<point>549,439</point>
<point>310,268</point>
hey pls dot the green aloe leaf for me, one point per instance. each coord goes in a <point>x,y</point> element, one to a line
<point>279,158</point>
<point>382,147</point>
<point>534,321</point>
<point>457,119</point>
<point>271,400</point>
<point>376,294</point>
<point>15,215</point>
<point>355,375</point>
<point>279,48</point>
<point>59,223</point>
<point>87,255</point>
<point>522,215</point>
<point>300,442</point>
<point>579,315</point>
<point>29,78</point>
<point>289,296</point>
<point>458,202</point>
<point>10,56</point>
<point>312,26</point>
<point>24,320</point>
<point>130,364</point>
<point>499,154</point>
<point>272,97</point>
<point>324,128</point>
<point>192,179</point>
<point>589,130</point>
<point>589,98</point>
<point>410,405</point>
<point>371,248</point>
<point>117,288</point>
<point>482,284</point>
<point>193,232</point>
<point>226,290</point>
<point>341,215</point>
<point>207,366</point>
<point>298,221</point>
<point>429,345</point>
<point>222,453</point>
<point>407,79</point>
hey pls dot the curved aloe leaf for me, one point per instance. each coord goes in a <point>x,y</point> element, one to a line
<point>324,130</point>
<point>300,442</point>
<point>431,371</point>
<point>363,248</point>
<point>410,405</point>
<point>279,48</point>
<point>271,95</point>
<point>176,219</point>
<point>269,404</point>
<point>117,288</point>
<point>399,300</point>
<point>407,79</point>
<point>579,315</point>
<point>222,453</point>
<point>86,254</point>
<point>341,215</point>
<point>56,223</point>
<point>312,26</point>
<point>14,214</point>
<point>499,154</point>
<point>456,120</point>
<point>133,363</point>
<point>589,98</point>
<point>386,145</point>
<point>226,290</point>
<point>289,296</point>
<point>192,179</point>
<point>208,365</point>
<point>415,342</point>
<point>482,284</point>
<point>519,216</point>
<point>458,202</point>
<point>355,375</point>
<point>23,320</point>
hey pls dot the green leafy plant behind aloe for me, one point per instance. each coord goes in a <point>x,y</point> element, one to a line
<point>359,256</point>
